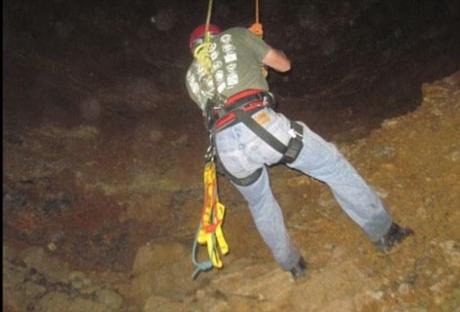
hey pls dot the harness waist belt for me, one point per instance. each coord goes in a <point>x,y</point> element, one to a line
<point>250,100</point>
<point>245,97</point>
<point>231,117</point>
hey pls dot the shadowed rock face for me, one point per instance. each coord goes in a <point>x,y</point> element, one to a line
<point>102,188</point>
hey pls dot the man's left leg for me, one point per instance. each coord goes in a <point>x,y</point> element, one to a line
<point>269,220</point>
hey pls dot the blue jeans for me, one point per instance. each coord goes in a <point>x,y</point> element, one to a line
<point>242,152</point>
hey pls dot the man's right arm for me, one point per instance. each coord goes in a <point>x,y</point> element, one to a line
<point>277,60</point>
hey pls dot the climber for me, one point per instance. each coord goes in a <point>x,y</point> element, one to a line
<point>248,135</point>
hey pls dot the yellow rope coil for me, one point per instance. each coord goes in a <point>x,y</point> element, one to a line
<point>201,54</point>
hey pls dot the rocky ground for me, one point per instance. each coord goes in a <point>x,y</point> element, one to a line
<point>70,224</point>
<point>102,163</point>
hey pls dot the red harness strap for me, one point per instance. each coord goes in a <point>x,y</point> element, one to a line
<point>232,116</point>
<point>240,95</point>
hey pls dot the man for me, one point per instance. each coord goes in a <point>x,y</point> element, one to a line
<point>249,135</point>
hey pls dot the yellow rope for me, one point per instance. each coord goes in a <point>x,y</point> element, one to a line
<point>201,52</point>
<point>208,21</point>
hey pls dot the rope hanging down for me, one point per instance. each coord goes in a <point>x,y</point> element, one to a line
<point>201,52</point>
<point>256,28</point>
<point>209,232</point>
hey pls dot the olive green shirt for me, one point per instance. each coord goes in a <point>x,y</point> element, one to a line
<point>236,56</point>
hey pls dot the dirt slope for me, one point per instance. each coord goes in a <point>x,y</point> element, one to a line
<point>103,222</point>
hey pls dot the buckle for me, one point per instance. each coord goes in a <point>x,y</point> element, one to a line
<point>265,100</point>
<point>296,130</point>
<point>293,150</point>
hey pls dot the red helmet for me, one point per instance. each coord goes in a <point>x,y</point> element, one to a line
<point>198,33</point>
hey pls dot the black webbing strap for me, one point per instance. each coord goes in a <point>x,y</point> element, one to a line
<point>250,179</point>
<point>295,144</point>
<point>260,131</point>
<point>290,151</point>
<point>253,177</point>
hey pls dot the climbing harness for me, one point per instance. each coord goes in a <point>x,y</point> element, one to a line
<point>240,108</point>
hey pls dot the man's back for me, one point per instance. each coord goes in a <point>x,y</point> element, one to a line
<point>236,56</point>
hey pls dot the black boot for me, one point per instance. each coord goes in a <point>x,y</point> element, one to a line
<point>393,237</point>
<point>300,269</point>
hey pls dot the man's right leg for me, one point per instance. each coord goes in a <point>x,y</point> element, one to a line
<point>269,220</point>
<point>324,162</point>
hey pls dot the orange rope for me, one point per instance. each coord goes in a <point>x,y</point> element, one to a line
<point>256,28</point>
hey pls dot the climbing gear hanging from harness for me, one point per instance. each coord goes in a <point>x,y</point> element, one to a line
<point>210,229</point>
